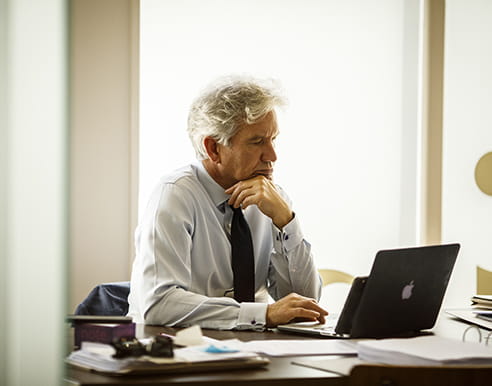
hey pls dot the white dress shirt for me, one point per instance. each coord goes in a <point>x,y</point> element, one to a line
<point>182,272</point>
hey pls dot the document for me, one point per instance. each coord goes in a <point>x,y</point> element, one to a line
<point>99,357</point>
<point>287,347</point>
<point>469,315</point>
<point>482,301</point>
<point>424,350</point>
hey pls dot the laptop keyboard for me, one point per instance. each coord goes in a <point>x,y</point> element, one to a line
<point>330,323</point>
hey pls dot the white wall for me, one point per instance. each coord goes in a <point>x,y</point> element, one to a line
<point>103,179</point>
<point>467,212</point>
<point>33,197</point>
<point>348,147</point>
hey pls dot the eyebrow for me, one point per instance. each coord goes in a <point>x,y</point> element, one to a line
<point>258,136</point>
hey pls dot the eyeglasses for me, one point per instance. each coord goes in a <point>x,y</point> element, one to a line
<point>161,346</point>
<point>480,335</point>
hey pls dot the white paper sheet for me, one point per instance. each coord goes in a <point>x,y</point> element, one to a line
<point>295,347</point>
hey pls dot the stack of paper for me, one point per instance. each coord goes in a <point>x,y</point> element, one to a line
<point>425,350</point>
<point>482,305</point>
<point>482,301</point>
<point>99,357</point>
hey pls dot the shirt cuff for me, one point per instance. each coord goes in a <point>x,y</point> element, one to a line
<point>252,316</point>
<point>287,238</point>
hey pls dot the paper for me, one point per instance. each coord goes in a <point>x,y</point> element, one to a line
<point>469,316</point>
<point>425,350</point>
<point>200,354</point>
<point>295,347</point>
<point>98,356</point>
<point>191,336</point>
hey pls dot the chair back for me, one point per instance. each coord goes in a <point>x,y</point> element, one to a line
<point>106,299</point>
<point>336,286</point>
<point>484,281</point>
<point>330,276</point>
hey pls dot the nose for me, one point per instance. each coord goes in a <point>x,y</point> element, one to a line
<point>269,154</point>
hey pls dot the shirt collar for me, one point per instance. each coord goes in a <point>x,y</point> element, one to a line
<point>214,190</point>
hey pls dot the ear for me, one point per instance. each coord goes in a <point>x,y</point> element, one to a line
<point>211,146</point>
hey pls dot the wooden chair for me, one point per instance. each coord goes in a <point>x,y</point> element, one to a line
<point>336,285</point>
<point>330,276</point>
<point>484,281</point>
<point>385,375</point>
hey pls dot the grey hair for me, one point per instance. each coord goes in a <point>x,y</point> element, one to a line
<point>227,104</point>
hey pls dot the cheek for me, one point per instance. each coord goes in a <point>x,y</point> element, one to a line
<point>244,164</point>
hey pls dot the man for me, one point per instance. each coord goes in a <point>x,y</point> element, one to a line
<point>184,272</point>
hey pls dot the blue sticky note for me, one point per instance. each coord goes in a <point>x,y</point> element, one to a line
<point>218,350</point>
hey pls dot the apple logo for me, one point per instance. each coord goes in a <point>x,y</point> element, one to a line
<point>407,291</point>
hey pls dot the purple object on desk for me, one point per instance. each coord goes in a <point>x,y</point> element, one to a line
<point>102,332</point>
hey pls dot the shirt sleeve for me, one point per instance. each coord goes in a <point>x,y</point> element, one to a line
<point>292,264</point>
<point>182,308</point>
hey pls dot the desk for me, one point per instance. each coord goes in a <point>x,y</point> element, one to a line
<point>279,372</point>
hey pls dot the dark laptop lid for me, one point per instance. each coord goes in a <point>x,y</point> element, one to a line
<point>404,291</point>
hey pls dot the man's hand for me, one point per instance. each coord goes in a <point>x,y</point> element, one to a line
<point>261,191</point>
<point>294,307</point>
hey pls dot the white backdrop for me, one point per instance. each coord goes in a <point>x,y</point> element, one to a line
<point>347,147</point>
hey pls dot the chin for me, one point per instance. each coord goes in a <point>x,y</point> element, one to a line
<point>269,176</point>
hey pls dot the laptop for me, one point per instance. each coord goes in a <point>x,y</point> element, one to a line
<point>402,296</point>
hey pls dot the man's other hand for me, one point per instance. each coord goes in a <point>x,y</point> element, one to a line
<point>294,307</point>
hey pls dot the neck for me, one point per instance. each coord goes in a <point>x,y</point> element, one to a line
<point>213,169</point>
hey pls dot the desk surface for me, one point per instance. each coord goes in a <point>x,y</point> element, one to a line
<point>280,371</point>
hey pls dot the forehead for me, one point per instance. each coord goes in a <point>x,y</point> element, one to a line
<point>266,127</point>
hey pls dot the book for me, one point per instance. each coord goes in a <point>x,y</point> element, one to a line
<point>74,319</point>
<point>98,357</point>
<point>424,351</point>
<point>482,301</point>
<point>484,314</point>
<point>102,332</point>
<point>469,315</point>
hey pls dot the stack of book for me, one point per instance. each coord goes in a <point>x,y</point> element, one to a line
<point>482,306</point>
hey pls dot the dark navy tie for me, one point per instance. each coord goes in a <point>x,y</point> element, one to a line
<point>243,263</point>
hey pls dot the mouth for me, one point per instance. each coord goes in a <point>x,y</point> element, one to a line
<point>268,173</point>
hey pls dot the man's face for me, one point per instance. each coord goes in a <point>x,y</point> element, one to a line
<point>251,151</point>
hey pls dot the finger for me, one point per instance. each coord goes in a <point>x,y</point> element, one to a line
<point>312,305</point>
<point>251,199</point>
<point>239,196</point>
<point>230,190</point>
<point>305,314</point>
<point>240,185</point>
<point>235,191</point>
<point>247,195</point>
<point>322,319</point>
<point>246,183</point>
